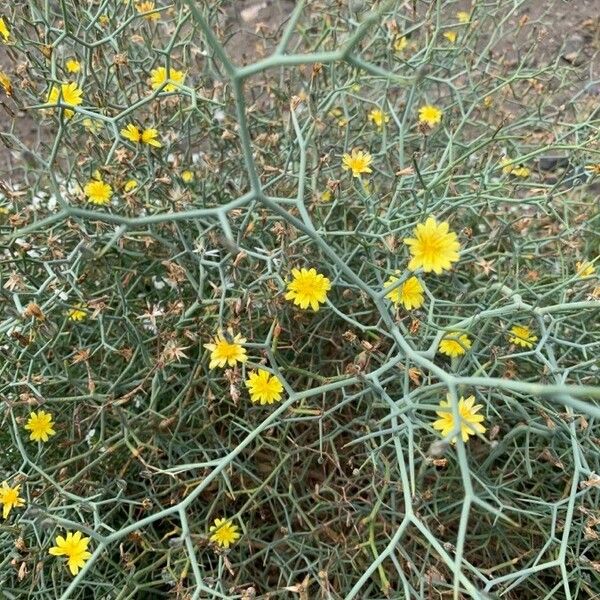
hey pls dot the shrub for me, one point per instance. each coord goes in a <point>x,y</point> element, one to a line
<point>256,279</point>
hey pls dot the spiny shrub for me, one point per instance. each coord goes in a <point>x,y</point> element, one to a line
<point>307,311</point>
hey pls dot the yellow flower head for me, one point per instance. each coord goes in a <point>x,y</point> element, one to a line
<point>434,247</point>
<point>160,75</point>
<point>224,533</point>
<point>430,115</point>
<point>135,135</point>
<point>454,344</point>
<point>73,65</point>
<point>378,118</point>
<point>225,349</point>
<point>264,387</point>
<point>522,336</point>
<point>450,36</point>
<point>9,498</point>
<point>4,30</point>
<point>187,176</point>
<point>409,293</point>
<point>585,269</point>
<point>594,169</point>
<point>40,425</point>
<point>506,165</point>
<point>149,137</point>
<point>131,133</point>
<point>147,7</point>
<point>326,196</point>
<point>470,421</point>
<point>463,17</point>
<point>509,167</point>
<point>130,185</point>
<point>307,288</point>
<point>521,171</point>
<point>77,313</point>
<point>6,83</point>
<point>75,547</point>
<point>400,43</point>
<point>98,192</point>
<point>358,162</point>
<point>68,93</point>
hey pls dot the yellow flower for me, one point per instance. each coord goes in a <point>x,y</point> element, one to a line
<point>400,43</point>
<point>585,269</point>
<point>224,533</point>
<point>40,424</point>
<point>104,20</point>
<point>470,421</point>
<point>358,162</point>
<point>450,36</point>
<point>132,133</point>
<point>326,196</point>
<point>147,136</point>
<point>160,75</point>
<point>6,83</point>
<point>510,168</point>
<point>130,185</point>
<point>409,293</point>
<point>73,65</point>
<point>77,313</point>
<point>454,344</point>
<point>378,117</point>
<point>4,30</point>
<point>429,114</point>
<point>307,288</point>
<point>594,169</point>
<point>68,93</point>
<point>521,171</point>
<point>522,336</point>
<point>226,349</point>
<point>463,17</point>
<point>434,247</point>
<point>187,176</point>
<point>264,387</point>
<point>98,192</point>
<point>75,548</point>
<point>9,498</point>
<point>147,7</point>
<point>506,165</point>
